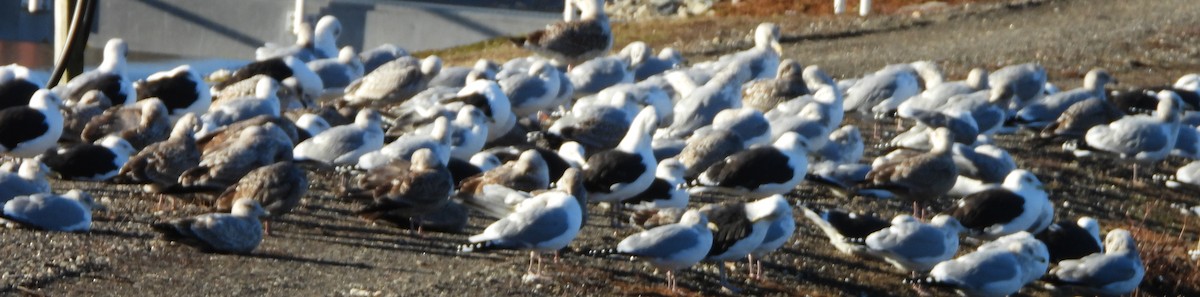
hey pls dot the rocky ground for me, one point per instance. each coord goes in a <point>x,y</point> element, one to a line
<point>321,249</point>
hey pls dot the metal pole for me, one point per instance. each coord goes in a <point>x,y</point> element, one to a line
<point>63,12</point>
<point>69,45</point>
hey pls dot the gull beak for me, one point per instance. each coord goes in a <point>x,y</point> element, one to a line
<point>778,48</point>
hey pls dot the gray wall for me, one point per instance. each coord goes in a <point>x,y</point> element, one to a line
<point>17,24</point>
<point>234,28</point>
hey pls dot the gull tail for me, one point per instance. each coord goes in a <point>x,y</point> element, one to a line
<point>835,186</point>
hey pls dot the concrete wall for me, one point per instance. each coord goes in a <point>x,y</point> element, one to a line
<point>234,28</point>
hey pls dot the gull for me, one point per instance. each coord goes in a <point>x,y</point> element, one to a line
<point>311,43</point>
<point>534,90</point>
<point>238,232</point>
<point>393,82</point>
<point>1034,267</point>
<point>989,272</point>
<point>669,247</point>
<point>760,171</point>
<point>458,76</point>
<point>1019,85</point>
<point>739,228</point>
<point>666,191</point>
<point>1141,138</point>
<point>90,161</point>
<point>979,167</point>
<point>254,147</point>
<point>700,106</point>
<point>409,188</point>
<point>225,112</point>
<point>845,146</point>
<point>181,90</point>
<point>618,174</point>
<point>278,188</point>
<point>16,87</point>
<point>161,163</point>
<point>1074,122</point>
<point>921,177</point>
<point>344,145</point>
<point>27,131</point>
<point>940,95</point>
<point>1040,113</point>
<point>76,117</point>
<point>597,74</point>
<point>70,212</point>
<point>911,245</point>
<point>893,84</point>
<point>1117,271</point>
<point>779,231</point>
<point>309,125</point>
<point>110,78</point>
<point>287,71</point>
<point>747,122</point>
<point>1015,206</point>
<point>762,60</point>
<point>704,150</point>
<point>528,173</point>
<point>846,230</point>
<point>573,41</point>
<point>141,124</point>
<point>29,179</point>
<point>437,141</point>
<point>547,222</point>
<point>649,65</point>
<point>765,94</point>
<point>339,71</point>
<point>1072,240</point>
<point>379,55</point>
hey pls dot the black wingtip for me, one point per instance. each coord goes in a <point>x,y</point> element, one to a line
<point>835,187</point>
<point>167,229</point>
<point>925,281</point>
<point>478,247</point>
<point>602,252</point>
<point>823,181</point>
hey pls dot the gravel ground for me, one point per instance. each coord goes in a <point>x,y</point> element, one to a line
<point>321,249</point>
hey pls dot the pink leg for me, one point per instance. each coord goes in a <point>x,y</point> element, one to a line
<point>671,281</point>
<point>529,270</point>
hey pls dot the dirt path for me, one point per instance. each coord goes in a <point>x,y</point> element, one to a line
<point>322,250</point>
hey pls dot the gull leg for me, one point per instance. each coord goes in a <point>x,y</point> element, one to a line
<point>539,262</point>
<point>615,213</point>
<point>671,281</point>
<point>725,278</point>
<point>529,270</point>
<point>750,265</point>
<point>758,274</point>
